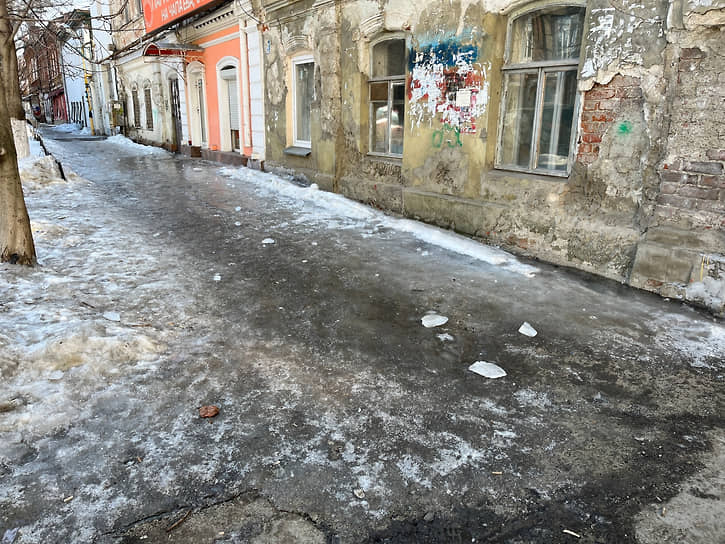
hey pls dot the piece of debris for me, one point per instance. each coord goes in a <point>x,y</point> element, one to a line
<point>208,411</point>
<point>497,473</point>
<point>237,224</point>
<point>178,522</point>
<point>217,277</point>
<point>430,516</point>
<point>268,241</point>
<point>433,320</point>
<point>487,370</point>
<point>9,536</point>
<point>528,330</point>
<point>359,493</point>
<point>112,316</point>
<point>68,499</point>
<point>572,533</point>
<point>10,405</point>
<point>445,337</point>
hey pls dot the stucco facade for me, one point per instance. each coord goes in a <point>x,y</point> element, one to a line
<point>587,134</point>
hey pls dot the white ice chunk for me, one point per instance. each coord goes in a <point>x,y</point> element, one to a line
<point>217,277</point>
<point>55,375</point>
<point>237,223</point>
<point>487,370</point>
<point>528,330</point>
<point>445,337</point>
<point>238,209</point>
<point>112,316</point>
<point>268,241</point>
<point>434,320</point>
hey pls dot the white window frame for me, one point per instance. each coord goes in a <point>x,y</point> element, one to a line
<point>541,68</point>
<point>296,61</point>
<point>398,78</point>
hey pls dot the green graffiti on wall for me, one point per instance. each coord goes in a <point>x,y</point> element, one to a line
<point>448,135</point>
<point>624,128</point>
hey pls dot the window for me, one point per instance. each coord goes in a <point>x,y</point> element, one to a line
<point>540,91</point>
<point>387,98</point>
<point>303,93</point>
<point>136,109</point>
<point>149,110</point>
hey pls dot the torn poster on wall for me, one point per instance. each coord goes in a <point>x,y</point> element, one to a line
<point>448,84</point>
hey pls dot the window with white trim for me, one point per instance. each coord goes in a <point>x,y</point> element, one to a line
<point>303,93</point>
<point>387,97</point>
<point>540,91</point>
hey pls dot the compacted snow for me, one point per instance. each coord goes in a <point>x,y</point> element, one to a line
<point>345,213</point>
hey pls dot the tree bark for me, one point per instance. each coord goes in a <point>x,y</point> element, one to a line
<point>16,238</point>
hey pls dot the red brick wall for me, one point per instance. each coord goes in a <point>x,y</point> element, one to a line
<point>692,183</point>
<point>601,104</point>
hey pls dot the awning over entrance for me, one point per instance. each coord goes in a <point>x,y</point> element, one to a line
<point>169,49</point>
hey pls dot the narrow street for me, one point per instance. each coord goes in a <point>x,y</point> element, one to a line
<point>168,283</point>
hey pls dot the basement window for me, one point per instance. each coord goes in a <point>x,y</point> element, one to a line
<point>536,132</point>
<point>387,98</point>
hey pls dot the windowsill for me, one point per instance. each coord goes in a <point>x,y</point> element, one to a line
<point>499,171</point>
<point>391,159</point>
<point>298,151</point>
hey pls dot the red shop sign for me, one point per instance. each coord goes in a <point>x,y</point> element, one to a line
<point>159,13</point>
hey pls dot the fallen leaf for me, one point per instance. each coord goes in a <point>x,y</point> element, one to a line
<point>208,411</point>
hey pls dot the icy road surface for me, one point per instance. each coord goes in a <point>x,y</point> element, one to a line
<point>167,284</point>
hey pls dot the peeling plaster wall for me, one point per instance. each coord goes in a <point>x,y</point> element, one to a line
<point>645,197</point>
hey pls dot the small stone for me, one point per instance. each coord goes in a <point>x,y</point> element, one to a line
<point>208,411</point>
<point>430,516</point>
<point>359,493</point>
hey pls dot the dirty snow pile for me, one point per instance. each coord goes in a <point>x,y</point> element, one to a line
<point>709,292</point>
<point>338,211</point>
<point>121,140</point>
<point>67,127</point>
<point>68,328</point>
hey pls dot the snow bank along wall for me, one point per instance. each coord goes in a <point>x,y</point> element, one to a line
<point>588,134</point>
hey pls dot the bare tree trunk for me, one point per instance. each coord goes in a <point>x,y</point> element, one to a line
<point>14,100</point>
<point>16,238</point>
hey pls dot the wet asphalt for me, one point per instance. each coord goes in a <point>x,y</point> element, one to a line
<point>343,419</point>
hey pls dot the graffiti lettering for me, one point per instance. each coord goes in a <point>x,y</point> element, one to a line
<point>448,134</point>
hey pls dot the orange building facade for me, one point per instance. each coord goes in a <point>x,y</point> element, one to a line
<point>223,85</point>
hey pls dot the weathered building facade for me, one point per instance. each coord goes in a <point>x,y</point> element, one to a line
<point>587,134</point>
